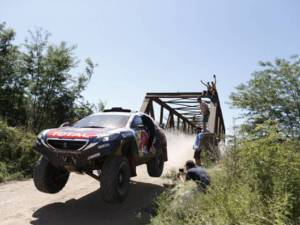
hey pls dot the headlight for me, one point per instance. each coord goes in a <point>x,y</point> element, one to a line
<point>104,139</point>
<point>110,137</point>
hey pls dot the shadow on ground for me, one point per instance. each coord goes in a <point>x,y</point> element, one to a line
<point>91,209</point>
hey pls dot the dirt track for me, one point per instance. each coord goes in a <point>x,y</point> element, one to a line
<point>80,201</point>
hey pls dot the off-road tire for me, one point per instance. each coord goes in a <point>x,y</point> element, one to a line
<point>155,166</point>
<point>49,179</point>
<point>115,179</point>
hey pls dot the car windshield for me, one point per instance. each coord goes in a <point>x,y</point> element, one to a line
<point>102,120</point>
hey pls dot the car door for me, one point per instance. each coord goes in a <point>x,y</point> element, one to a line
<point>142,136</point>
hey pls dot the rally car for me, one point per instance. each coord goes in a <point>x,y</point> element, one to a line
<point>107,146</point>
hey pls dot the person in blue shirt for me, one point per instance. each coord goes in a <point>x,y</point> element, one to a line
<point>197,174</point>
<point>198,146</point>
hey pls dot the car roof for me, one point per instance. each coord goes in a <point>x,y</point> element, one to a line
<point>118,113</point>
<point>129,114</point>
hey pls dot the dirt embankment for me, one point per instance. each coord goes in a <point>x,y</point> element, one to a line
<point>80,201</point>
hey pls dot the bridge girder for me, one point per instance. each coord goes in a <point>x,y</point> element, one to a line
<point>185,107</point>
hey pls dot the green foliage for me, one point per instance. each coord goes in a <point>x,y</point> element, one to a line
<point>272,93</point>
<point>16,153</point>
<point>224,203</point>
<point>271,166</point>
<point>38,84</point>
<point>38,89</point>
<point>257,183</point>
<point>259,178</point>
<point>86,108</point>
<point>52,87</point>
<point>12,83</point>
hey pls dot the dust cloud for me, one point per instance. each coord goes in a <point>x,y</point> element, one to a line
<point>222,148</point>
<point>180,149</point>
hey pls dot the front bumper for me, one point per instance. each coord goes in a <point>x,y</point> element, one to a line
<point>79,159</point>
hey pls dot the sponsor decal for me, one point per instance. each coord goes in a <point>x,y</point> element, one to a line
<point>69,134</point>
<point>143,140</point>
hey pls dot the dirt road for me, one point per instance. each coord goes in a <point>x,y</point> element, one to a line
<point>80,201</point>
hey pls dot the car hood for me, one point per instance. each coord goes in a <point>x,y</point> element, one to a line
<point>78,133</point>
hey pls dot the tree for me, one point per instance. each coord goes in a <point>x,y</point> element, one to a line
<point>53,88</point>
<point>86,108</point>
<point>40,85</point>
<point>273,93</point>
<point>12,83</point>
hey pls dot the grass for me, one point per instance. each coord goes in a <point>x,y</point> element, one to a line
<point>17,157</point>
<point>256,183</point>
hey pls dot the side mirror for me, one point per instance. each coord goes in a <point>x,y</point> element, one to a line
<point>65,124</point>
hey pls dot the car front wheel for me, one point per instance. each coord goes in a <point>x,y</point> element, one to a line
<point>115,179</point>
<point>155,166</point>
<point>47,178</point>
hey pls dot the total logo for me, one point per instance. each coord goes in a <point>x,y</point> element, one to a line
<point>71,134</point>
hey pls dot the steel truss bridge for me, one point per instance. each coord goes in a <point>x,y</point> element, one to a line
<point>181,111</point>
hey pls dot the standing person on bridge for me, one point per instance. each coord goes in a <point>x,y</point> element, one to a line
<point>205,112</point>
<point>198,146</point>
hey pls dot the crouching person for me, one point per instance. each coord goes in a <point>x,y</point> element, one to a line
<point>197,174</point>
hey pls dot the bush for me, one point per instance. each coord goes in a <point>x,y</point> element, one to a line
<point>270,166</point>
<point>224,203</point>
<point>16,155</point>
<point>257,183</point>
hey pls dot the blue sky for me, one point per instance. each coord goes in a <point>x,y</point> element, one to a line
<point>147,46</point>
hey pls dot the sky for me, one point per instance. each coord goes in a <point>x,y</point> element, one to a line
<point>163,45</point>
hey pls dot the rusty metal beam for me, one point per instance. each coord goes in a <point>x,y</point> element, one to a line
<point>183,105</point>
<point>166,106</point>
<point>189,113</point>
<point>189,110</point>
<point>175,95</point>
<point>161,115</point>
<point>186,108</point>
<point>170,122</point>
<point>184,125</point>
<point>183,101</point>
<point>151,110</point>
<point>145,106</point>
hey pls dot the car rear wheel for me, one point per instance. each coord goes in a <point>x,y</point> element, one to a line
<point>49,179</point>
<point>115,179</point>
<point>155,166</point>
